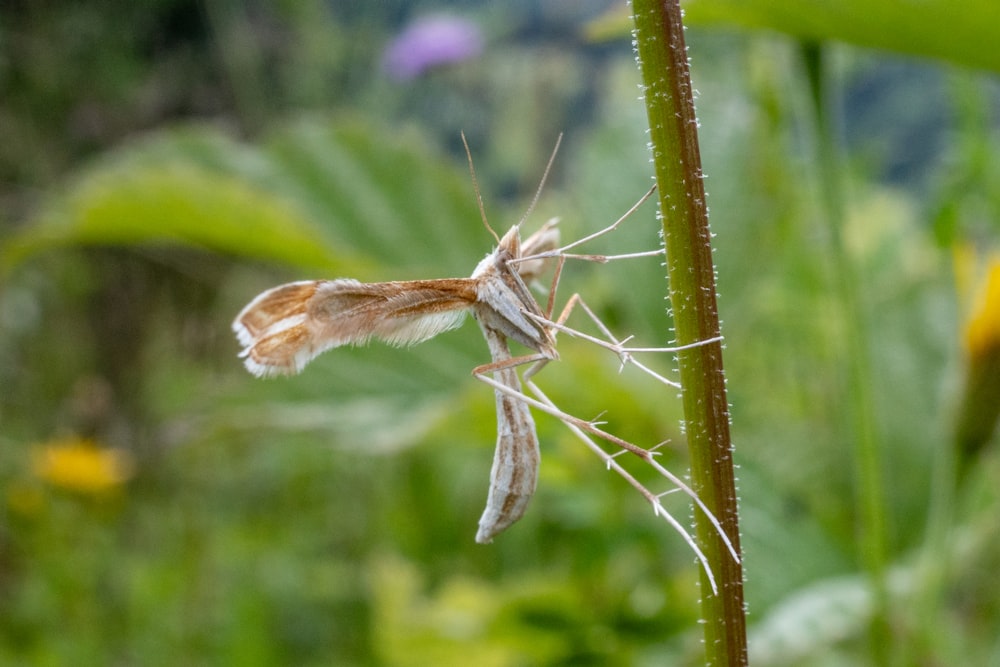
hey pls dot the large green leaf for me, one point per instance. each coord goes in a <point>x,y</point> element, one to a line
<point>180,204</point>
<point>173,189</point>
<point>319,195</point>
<point>966,33</point>
<point>389,195</point>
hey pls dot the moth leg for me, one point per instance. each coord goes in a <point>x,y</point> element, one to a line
<point>611,342</point>
<point>510,362</point>
<point>581,428</point>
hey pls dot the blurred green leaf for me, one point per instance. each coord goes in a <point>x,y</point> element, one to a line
<point>176,204</point>
<point>963,33</point>
<point>165,191</point>
<point>389,195</point>
<point>319,196</point>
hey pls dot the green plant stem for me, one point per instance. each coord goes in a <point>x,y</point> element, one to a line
<point>975,419</point>
<point>662,57</point>
<point>868,467</point>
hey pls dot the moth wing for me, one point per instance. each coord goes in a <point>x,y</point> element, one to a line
<point>286,327</point>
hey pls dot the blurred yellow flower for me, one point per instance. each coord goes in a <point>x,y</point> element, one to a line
<point>982,334</point>
<point>78,464</point>
<point>979,409</point>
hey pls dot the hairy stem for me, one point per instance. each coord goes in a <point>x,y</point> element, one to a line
<point>662,56</point>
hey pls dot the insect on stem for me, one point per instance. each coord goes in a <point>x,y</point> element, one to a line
<point>284,328</point>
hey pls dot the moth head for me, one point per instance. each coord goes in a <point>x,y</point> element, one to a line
<point>508,248</point>
<point>510,243</point>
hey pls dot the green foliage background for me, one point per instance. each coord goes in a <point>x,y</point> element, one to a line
<point>152,186</point>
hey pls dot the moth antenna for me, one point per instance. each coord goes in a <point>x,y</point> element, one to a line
<point>475,186</point>
<point>541,184</point>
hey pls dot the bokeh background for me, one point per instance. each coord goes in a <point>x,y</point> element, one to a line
<point>164,161</point>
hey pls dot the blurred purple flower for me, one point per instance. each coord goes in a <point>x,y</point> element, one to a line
<point>431,41</point>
